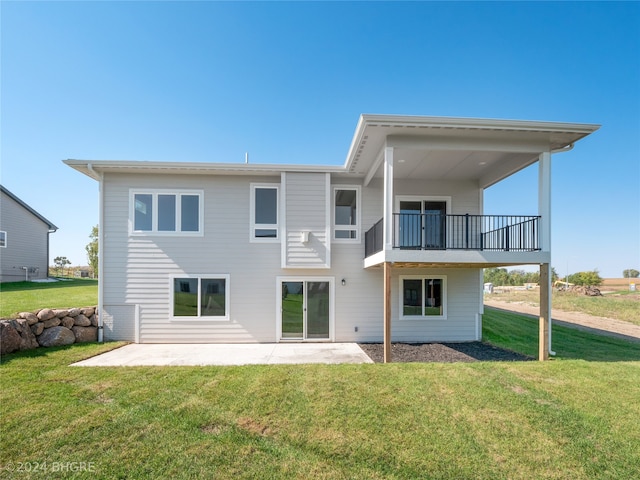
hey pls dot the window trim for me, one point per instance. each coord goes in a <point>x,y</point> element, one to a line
<point>4,236</point>
<point>155,192</point>
<point>199,317</point>
<point>401,280</point>
<point>253,226</point>
<point>346,228</point>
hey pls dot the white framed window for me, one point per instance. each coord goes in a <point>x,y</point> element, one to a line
<point>3,239</point>
<point>200,297</point>
<point>346,214</point>
<point>423,296</point>
<point>264,212</point>
<point>166,212</point>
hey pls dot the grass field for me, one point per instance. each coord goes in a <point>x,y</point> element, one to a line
<point>621,305</point>
<point>570,418</point>
<point>28,296</point>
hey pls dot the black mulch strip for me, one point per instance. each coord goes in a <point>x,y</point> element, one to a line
<point>443,352</point>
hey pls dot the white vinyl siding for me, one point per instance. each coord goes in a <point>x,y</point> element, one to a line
<point>307,214</point>
<point>119,322</point>
<point>137,267</point>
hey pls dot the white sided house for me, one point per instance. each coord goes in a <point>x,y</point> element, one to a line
<point>24,240</point>
<point>390,246</point>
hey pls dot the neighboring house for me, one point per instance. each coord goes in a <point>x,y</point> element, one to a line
<point>24,240</point>
<point>391,246</point>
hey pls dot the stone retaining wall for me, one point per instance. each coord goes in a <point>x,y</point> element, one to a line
<point>48,328</point>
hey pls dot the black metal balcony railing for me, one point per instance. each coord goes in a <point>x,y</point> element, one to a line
<point>413,231</point>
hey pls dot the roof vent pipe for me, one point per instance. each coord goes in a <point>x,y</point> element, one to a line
<point>246,157</point>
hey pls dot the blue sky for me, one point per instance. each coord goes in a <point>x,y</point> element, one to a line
<point>286,82</point>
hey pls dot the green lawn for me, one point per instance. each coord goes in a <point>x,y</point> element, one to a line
<point>621,305</point>
<point>28,296</point>
<point>575,417</point>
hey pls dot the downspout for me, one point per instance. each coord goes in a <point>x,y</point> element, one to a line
<point>566,148</point>
<point>100,178</point>
<point>48,243</point>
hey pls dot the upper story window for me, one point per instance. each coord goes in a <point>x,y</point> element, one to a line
<point>264,212</point>
<point>346,214</point>
<point>167,212</point>
<point>3,239</point>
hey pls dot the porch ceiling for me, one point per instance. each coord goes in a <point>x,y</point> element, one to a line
<point>485,151</point>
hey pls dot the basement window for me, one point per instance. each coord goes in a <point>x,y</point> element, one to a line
<point>423,297</point>
<point>200,297</point>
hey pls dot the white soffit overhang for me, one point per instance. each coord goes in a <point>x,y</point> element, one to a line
<point>444,148</point>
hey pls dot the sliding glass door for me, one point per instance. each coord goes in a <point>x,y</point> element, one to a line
<point>305,309</point>
<point>421,224</point>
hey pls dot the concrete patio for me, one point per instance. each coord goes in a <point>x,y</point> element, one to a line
<point>227,354</point>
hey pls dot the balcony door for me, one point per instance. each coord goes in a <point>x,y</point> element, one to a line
<point>306,308</point>
<point>421,223</point>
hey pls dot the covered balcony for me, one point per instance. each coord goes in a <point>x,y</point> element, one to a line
<point>425,231</point>
<point>432,174</point>
<point>447,240</point>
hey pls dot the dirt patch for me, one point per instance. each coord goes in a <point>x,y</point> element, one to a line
<point>442,352</point>
<point>252,426</point>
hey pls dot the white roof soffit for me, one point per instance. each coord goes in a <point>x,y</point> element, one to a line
<point>446,148</point>
<point>91,167</point>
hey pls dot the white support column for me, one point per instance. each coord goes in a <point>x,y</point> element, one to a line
<point>388,198</point>
<point>544,200</point>
<point>544,210</point>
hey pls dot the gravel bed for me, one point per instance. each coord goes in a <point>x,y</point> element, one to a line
<point>443,352</point>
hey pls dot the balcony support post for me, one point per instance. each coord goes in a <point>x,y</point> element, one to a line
<point>387,312</point>
<point>544,340</point>
<point>544,211</point>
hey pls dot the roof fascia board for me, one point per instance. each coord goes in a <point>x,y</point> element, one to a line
<point>355,141</point>
<point>478,123</point>
<point>120,166</point>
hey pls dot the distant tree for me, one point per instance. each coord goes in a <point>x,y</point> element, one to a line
<point>497,276</point>
<point>631,273</point>
<point>92,251</point>
<point>587,279</point>
<point>554,275</point>
<point>60,263</point>
<point>502,276</point>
